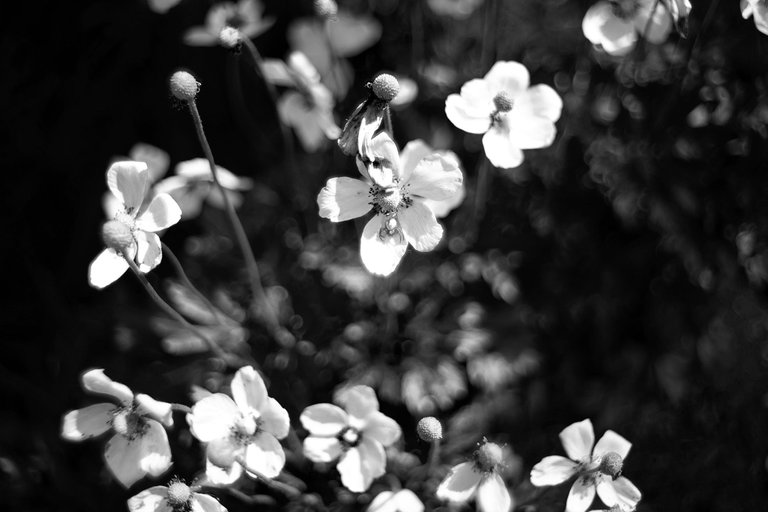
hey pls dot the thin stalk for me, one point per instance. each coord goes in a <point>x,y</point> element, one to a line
<point>181,408</point>
<point>284,488</point>
<point>434,456</point>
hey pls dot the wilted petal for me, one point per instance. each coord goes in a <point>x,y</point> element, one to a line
<point>578,439</point>
<point>359,401</point>
<point>275,419</point>
<point>265,455</point>
<point>96,381</point>
<point>581,496</point>
<point>628,495</point>
<point>344,199</point>
<point>324,419</point>
<point>162,213</point>
<point>322,449</point>
<point>612,442</point>
<point>509,77</point>
<point>248,389</point>
<point>499,149</point>
<point>106,268</point>
<point>420,227</point>
<point>213,417</point>
<point>149,252</point>
<point>128,181</point>
<point>381,255</point>
<point>436,178</point>
<point>492,494</point>
<point>205,503</point>
<point>155,451</point>
<point>460,484</point>
<point>602,27</point>
<point>382,428</point>
<point>87,422</point>
<point>150,500</point>
<point>383,150</point>
<point>467,117</point>
<point>160,411</point>
<point>553,470</point>
<point>123,458</point>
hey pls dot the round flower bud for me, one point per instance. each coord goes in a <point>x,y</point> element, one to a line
<point>611,464</point>
<point>326,8</point>
<point>230,38</point>
<point>429,429</point>
<point>489,455</point>
<point>184,86</point>
<point>117,236</point>
<point>503,102</point>
<point>178,494</point>
<point>385,87</point>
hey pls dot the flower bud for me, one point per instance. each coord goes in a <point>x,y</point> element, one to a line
<point>184,86</point>
<point>429,429</point>
<point>611,464</point>
<point>489,455</point>
<point>503,102</point>
<point>385,87</point>
<point>117,236</point>
<point>178,495</point>
<point>326,8</point>
<point>230,38</point>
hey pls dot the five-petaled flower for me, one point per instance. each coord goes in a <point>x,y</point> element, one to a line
<point>479,477</point>
<point>758,9</point>
<point>511,115</point>
<point>596,470</point>
<point>177,497</point>
<point>139,445</point>
<point>245,16</point>
<point>243,431</point>
<point>133,231</point>
<point>396,187</point>
<point>356,435</point>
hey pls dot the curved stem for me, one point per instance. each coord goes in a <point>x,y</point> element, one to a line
<point>181,408</point>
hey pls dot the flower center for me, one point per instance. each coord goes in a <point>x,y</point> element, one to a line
<point>624,9</point>
<point>245,429</point>
<point>178,496</point>
<point>503,102</point>
<point>117,235</point>
<point>611,464</point>
<point>128,423</point>
<point>388,200</point>
<point>349,437</point>
<point>488,457</point>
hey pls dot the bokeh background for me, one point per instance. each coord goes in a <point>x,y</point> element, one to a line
<point>618,275</point>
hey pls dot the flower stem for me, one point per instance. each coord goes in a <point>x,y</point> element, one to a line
<point>181,408</point>
<point>434,456</point>
<point>284,488</point>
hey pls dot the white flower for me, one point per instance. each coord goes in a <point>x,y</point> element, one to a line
<point>177,497</point>
<point>245,16</point>
<point>479,477</point>
<point>139,445</point>
<point>512,115</point>
<point>309,108</point>
<point>615,25</point>
<point>457,9</point>
<point>758,9</point>
<point>403,500</point>
<point>157,162</point>
<point>246,428</point>
<point>134,228</point>
<point>597,470</point>
<point>396,187</point>
<point>193,184</point>
<point>356,436</point>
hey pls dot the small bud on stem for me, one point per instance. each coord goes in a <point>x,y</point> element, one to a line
<point>184,86</point>
<point>429,429</point>
<point>385,87</point>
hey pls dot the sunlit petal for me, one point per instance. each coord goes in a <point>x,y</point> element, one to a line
<point>128,181</point>
<point>87,422</point>
<point>612,442</point>
<point>323,419</point>
<point>553,470</point>
<point>96,381</point>
<point>343,199</point>
<point>106,268</point>
<point>581,496</point>
<point>420,227</point>
<point>460,484</point>
<point>212,417</point>
<point>381,254</point>
<point>265,455</point>
<point>322,449</point>
<point>492,494</point>
<point>578,439</point>
<point>162,213</point>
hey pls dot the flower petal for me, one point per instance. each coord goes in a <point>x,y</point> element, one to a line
<point>200,36</point>
<point>420,227</point>
<point>382,429</point>
<point>578,439</point>
<point>157,410</point>
<point>509,77</point>
<point>249,390</point>
<point>96,381</point>
<point>360,465</point>
<point>460,484</point>
<point>87,422</point>
<point>153,499</point>
<point>155,451</point>
<point>553,470</point>
<point>492,494</point>
<point>275,419</point>
<point>156,159</point>
<point>499,148</point>
<point>465,115</point>
<point>602,27</point>
<point>612,442</point>
<point>373,456</point>
<point>322,449</point>
<point>540,101</point>
<point>344,199</point>
<point>381,255</point>
<point>626,492</point>
<point>217,475</point>
<point>128,181</point>
<point>205,503</point>
<point>265,455</point>
<point>359,401</point>
<point>606,492</point>
<point>382,150</point>
<point>324,419</point>
<point>106,268</point>
<point>411,155</point>
<point>162,213</point>
<point>350,34</point>
<point>581,496</point>
<point>123,459</point>
<point>212,417</point>
<point>528,131</point>
<point>435,177</point>
<point>149,252</point>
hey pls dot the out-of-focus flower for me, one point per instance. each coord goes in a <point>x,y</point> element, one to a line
<point>615,25</point>
<point>479,478</point>
<point>177,497</point>
<point>458,9</point>
<point>511,115</point>
<point>427,389</point>
<point>597,470</point>
<point>394,187</point>
<point>758,9</point>
<point>193,184</point>
<point>409,89</point>
<point>308,109</point>
<point>133,231</point>
<point>356,435</point>
<point>139,445</point>
<point>403,500</point>
<point>245,429</point>
<point>162,6</point>
<point>245,16</point>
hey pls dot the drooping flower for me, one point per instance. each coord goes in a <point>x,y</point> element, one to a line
<point>245,16</point>
<point>615,25</point>
<point>308,109</point>
<point>404,500</point>
<point>177,497</point>
<point>597,470</point>
<point>133,231</point>
<point>395,186</point>
<point>758,9</point>
<point>480,479</point>
<point>511,115</point>
<point>243,430</point>
<point>139,445</point>
<point>356,435</point>
<point>193,184</point>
